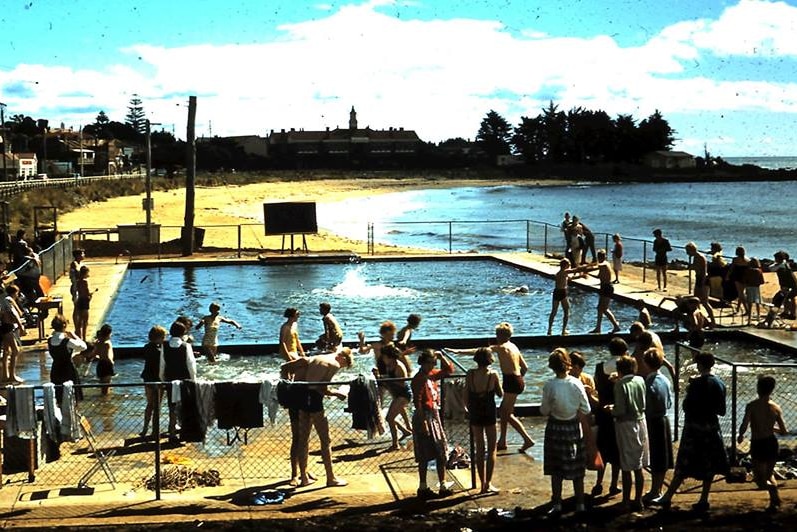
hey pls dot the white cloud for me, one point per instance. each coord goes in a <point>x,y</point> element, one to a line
<point>439,77</point>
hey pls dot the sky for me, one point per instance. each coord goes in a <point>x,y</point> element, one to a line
<point>722,72</point>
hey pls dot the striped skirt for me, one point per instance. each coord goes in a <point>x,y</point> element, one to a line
<point>429,438</point>
<point>564,449</point>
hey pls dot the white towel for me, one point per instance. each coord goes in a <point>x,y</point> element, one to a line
<point>205,399</point>
<point>21,412</point>
<point>176,391</point>
<point>52,413</point>
<point>70,428</point>
<point>268,398</point>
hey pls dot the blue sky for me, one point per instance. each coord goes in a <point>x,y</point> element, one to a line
<point>723,73</point>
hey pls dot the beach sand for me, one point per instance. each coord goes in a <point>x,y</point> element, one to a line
<point>232,205</point>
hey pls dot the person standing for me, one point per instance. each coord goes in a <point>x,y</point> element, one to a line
<point>702,287</point>
<point>658,400</point>
<point>211,322</point>
<point>153,355</point>
<point>630,428</point>
<point>701,454</point>
<point>78,256</point>
<point>482,386</point>
<point>290,347</point>
<point>661,246</point>
<point>617,257</point>
<point>513,367</point>
<point>103,352</point>
<point>605,291</point>
<point>605,377</point>
<point>559,296</point>
<point>82,303</point>
<point>588,240</point>
<point>332,338</point>
<point>764,417</point>
<point>62,345</point>
<point>429,437</point>
<point>565,403</point>
<point>399,392</point>
<point>11,325</point>
<point>178,364</point>
<point>319,369</point>
<point>404,336</point>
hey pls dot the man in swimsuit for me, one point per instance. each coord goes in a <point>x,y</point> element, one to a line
<point>606,291</point>
<point>560,296</point>
<point>661,246</point>
<point>317,369</point>
<point>290,346</point>
<point>514,367</point>
<point>788,285</point>
<point>700,267</point>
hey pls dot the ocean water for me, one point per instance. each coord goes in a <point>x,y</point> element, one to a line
<point>756,215</point>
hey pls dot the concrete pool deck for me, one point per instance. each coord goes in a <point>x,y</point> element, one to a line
<point>373,501</point>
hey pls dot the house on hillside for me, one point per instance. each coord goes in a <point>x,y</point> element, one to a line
<point>27,165</point>
<point>669,160</point>
<point>339,147</point>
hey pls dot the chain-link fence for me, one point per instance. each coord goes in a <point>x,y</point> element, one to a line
<point>740,379</point>
<point>249,438</point>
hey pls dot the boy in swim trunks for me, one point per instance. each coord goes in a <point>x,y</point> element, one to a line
<point>560,296</point>
<point>513,367</point>
<point>605,292</point>
<point>700,267</point>
<point>762,415</point>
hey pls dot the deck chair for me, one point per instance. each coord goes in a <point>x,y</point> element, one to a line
<point>100,456</point>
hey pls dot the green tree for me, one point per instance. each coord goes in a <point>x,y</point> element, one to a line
<point>494,136</point>
<point>554,133</point>
<point>655,134</point>
<point>136,117</point>
<point>527,139</point>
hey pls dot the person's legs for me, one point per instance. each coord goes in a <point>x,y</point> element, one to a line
<point>508,418</point>
<point>552,315</point>
<point>489,432</point>
<point>565,315</point>
<point>149,410</point>
<point>639,485</point>
<point>295,444</point>
<point>556,493</point>
<point>664,277</point>
<point>626,487</point>
<point>305,423</point>
<point>578,492</point>
<point>321,425</point>
<point>478,438</point>
<point>392,412</point>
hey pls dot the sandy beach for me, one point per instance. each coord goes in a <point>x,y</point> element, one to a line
<point>232,205</point>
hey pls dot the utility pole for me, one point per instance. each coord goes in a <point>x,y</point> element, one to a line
<point>80,137</point>
<point>148,182</point>
<point>190,176</point>
<point>5,141</point>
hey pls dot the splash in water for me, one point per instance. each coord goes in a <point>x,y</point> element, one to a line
<point>355,285</point>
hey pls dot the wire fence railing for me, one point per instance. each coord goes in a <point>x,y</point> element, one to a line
<point>250,441</point>
<point>740,379</point>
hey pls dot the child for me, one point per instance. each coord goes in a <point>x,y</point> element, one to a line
<point>211,322</point>
<point>630,428</point>
<point>559,296</point>
<point>78,255</point>
<point>483,385</point>
<point>82,303</point>
<point>617,257</point>
<point>644,316</point>
<point>753,279</point>
<point>762,414</point>
<point>429,437</point>
<point>152,373</point>
<point>404,335</point>
<point>103,352</point>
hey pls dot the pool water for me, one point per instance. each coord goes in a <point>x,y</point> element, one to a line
<point>457,298</point>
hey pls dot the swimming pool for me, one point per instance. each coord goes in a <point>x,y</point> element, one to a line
<point>457,299</point>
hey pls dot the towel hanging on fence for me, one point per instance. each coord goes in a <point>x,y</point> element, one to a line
<point>52,413</point>
<point>363,404</point>
<point>238,405</point>
<point>21,412</point>
<point>70,426</point>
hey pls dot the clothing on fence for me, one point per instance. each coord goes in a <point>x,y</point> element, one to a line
<point>21,412</point>
<point>238,405</point>
<point>456,399</point>
<point>268,396</point>
<point>52,413</point>
<point>363,404</point>
<point>70,426</point>
<point>190,424</point>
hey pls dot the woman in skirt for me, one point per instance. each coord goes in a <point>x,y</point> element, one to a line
<point>429,438</point>
<point>565,402</point>
<point>658,400</point>
<point>701,454</point>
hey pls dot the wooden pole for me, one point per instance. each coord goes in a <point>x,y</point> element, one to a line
<point>190,176</point>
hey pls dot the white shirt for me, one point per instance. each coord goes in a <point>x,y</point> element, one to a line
<point>74,344</point>
<point>563,399</point>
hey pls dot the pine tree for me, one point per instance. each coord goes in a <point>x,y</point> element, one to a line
<point>135,117</point>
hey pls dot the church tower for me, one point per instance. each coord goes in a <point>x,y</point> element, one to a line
<point>352,118</point>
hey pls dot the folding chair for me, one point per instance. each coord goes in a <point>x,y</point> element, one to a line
<point>102,457</point>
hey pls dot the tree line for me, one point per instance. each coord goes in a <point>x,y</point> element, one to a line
<point>576,136</point>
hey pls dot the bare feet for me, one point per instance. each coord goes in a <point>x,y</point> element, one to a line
<point>500,447</point>
<point>595,331</point>
<point>526,446</point>
<point>294,482</point>
<point>489,489</point>
<point>308,481</point>
<point>394,447</point>
<point>336,483</point>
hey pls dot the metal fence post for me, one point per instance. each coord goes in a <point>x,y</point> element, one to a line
<point>676,389</point>
<point>156,425</point>
<point>450,237</point>
<point>644,260</point>
<point>733,413</point>
<point>545,240</point>
<point>239,241</point>
<point>528,238</point>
